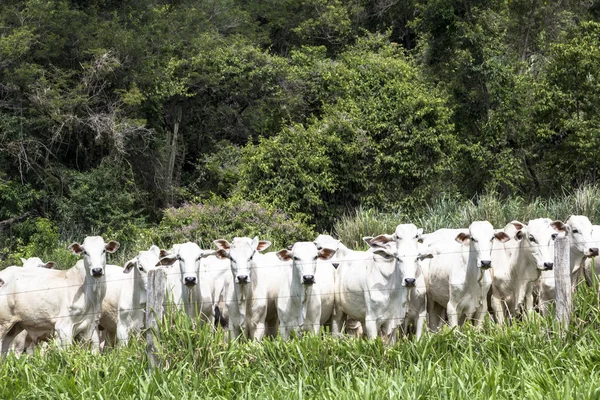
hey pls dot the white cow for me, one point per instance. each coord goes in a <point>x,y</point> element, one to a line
<point>306,296</point>
<point>196,285</point>
<point>44,300</point>
<point>353,328</point>
<point>255,280</point>
<point>578,229</point>
<point>23,341</point>
<point>36,262</point>
<point>459,276</point>
<point>518,264</point>
<point>124,306</point>
<point>373,289</point>
<point>591,265</point>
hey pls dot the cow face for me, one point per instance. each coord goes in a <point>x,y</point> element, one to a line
<point>578,229</point>
<point>144,262</point>
<point>188,255</point>
<point>241,255</point>
<point>403,245</point>
<point>304,256</point>
<point>480,239</point>
<point>537,240</point>
<point>94,252</point>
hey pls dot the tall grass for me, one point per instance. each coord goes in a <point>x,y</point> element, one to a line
<point>448,212</point>
<point>529,359</point>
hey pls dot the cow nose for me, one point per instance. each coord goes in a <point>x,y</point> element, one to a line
<point>190,280</point>
<point>242,278</point>
<point>593,251</point>
<point>308,279</point>
<point>409,281</point>
<point>486,264</point>
<point>335,265</point>
<point>96,272</point>
<point>548,266</point>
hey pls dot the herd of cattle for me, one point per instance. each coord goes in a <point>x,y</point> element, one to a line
<point>403,282</point>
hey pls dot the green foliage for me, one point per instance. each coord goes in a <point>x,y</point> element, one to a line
<point>217,218</point>
<point>384,140</point>
<point>104,200</point>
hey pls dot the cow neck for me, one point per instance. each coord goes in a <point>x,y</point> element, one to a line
<point>139,290</point>
<point>530,272</point>
<point>386,267</point>
<point>575,258</point>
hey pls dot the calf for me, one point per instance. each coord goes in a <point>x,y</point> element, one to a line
<point>459,276</point>
<point>124,306</point>
<point>196,285</point>
<point>305,299</point>
<point>255,281</point>
<point>518,265</point>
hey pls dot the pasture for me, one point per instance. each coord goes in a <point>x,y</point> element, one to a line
<point>527,360</point>
<point>530,358</point>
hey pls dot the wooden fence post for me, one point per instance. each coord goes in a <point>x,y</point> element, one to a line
<point>562,276</point>
<point>154,313</point>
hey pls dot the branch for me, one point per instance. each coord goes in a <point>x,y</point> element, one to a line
<point>10,221</point>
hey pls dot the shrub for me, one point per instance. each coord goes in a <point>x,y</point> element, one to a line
<point>218,218</point>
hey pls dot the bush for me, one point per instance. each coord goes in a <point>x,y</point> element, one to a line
<point>218,218</point>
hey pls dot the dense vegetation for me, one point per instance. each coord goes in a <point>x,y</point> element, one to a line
<point>114,114</point>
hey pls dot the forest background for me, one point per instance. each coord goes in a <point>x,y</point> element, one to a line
<point>154,121</point>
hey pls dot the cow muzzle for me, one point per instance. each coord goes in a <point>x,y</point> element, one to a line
<point>190,280</point>
<point>308,279</point>
<point>548,266</point>
<point>242,279</point>
<point>592,252</point>
<point>486,264</point>
<point>97,272</point>
<point>409,282</point>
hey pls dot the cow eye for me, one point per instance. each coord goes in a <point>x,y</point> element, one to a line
<point>85,253</point>
<point>532,239</point>
<point>296,258</point>
<point>141,268</point>
<point>554,236</point>
<point>473,239</point>
<point>575,230</point>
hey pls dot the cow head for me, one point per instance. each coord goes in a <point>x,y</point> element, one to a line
<point>188,255</point>
<point>480,239</point>
<point>241,253</point>
<point>36,262</point>
<point>94,251</point>
<point>304,256</point>
<point>537,240</point>
<point>578,229</point>
<point>403,246</point>
<point>144,262</point>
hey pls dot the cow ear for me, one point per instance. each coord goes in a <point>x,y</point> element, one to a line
<point>560,226</point>
<point>463,238</point>
<point>76,248</point>
<point>284,255</point>
<point>168,260</point>
<point>518,225</point>
<point>129,266</point>
<point>263,245</point>
<point>222,244</point>
<point>49,265</point>
<point>367,239</point>
<point>326,254</point>
<point>154,249</point>
<point>222,254</point>
<point>501,236</point>
<point>112,246</point>
<point>380,241</point>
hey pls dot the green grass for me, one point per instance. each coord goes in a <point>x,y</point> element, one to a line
<point>530,359</point>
